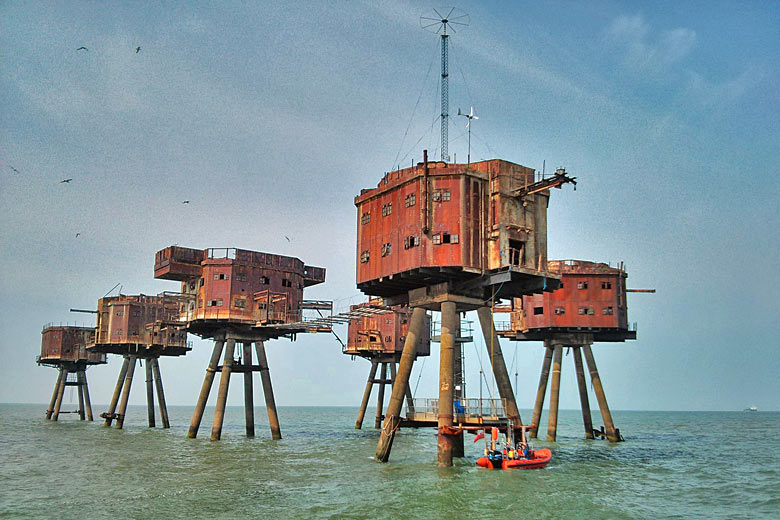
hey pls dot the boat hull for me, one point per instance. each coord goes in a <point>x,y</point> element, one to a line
<point>540,459</point>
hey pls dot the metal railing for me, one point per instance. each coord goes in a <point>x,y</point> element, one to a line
<point>467,408</point>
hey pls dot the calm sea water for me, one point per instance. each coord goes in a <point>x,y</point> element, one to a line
<point>672,465</point>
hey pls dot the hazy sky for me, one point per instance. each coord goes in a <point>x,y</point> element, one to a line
<point>271,118</point>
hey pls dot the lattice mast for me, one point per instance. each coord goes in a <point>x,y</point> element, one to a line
<point>439,25</point>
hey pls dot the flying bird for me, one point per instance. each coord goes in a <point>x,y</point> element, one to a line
<point>288,238</point>
<point>137,50</point>
<point>78,234</point>
<point>185,202</point>
<point>67,181</point>
<point>82,48</point>
<point>14,169</point>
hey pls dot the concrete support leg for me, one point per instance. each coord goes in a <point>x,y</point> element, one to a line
<point>584,403</point>
<point>249,402</point>
<point>87,401</point>
<point>60,394</point>
<point>268,391</point>
<point>548,353</point>
<point>408,391</point>
<point>366,395</point>
<point>50,409</point>
<point>80,382</point>
<point>555,388</point>
<point>499,366</point>
<point>393,414</point>
<point>600,397</point>
<point>160,394</point>
<point>449,320</point>
<point>224,384</point>
<point>205,389</point>
<point>149,392</point>
<point>117,391</point>
<point>380,398</point>
<point>120,420</point>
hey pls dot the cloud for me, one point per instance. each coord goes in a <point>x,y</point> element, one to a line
<point>648,51</point>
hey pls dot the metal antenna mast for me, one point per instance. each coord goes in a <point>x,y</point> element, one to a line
<point>439,25</point>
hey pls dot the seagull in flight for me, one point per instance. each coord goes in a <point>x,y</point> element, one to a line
<point>288,238</point>
<point>66,181</point>
<point>137,50</point>
<point>82,48</point>
<point>78,234</point>
<point>185,202</point>
<point>14,169</point>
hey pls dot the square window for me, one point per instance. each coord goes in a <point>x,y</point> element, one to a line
<point>436,196</point>
<point>606,285</point>
<point>445,238</point>
<point>453,239</point>
<point>538,311</point>
<point>582,285</point>
<point>436,238</point>
<point>560,310</point>
<point>445,195</point>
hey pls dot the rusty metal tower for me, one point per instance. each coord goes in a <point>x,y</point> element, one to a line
<point>235,296</point>
<point>464,237</point>
<point>589,306</point>
<point>139,328</point>
<point>65,348</point>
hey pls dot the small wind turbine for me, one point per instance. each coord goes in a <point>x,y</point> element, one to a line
<point>469,116</point>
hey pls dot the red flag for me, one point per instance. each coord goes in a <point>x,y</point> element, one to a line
<point>480,435</point>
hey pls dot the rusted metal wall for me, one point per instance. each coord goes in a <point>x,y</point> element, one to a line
<point>593,295</point>
<point>66,343</point>
<point>237,285</point>
<point>449,216</point>
<point>151,321</point>
<point>386,333</point>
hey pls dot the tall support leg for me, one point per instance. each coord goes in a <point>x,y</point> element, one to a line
<point>249,402</point>
<point>449,319</point>
<point>380,398</point>
<point>81,395</point>
<point>224,384</point>
<point>149,392</point>
<point>160,394</point>
<point>584,403</point>
<point>120,420</point>
<point>555,387</point>
<point>60,394</point>
<point>205,389</point>
<point>366,395</point>
<point>268,391</point>
<point>407,391</point>
<point>499,366</point>
<point>393,414</point>
<point>117,391</point>
<point>87,401</point>
<point>458,450</point>
<point>50,409</point>
<point>548,353</point>
<point>599,391</point>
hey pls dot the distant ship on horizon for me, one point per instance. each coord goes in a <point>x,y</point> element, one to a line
<point>751,409</point>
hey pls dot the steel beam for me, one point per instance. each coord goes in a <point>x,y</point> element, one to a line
<point>149,393</point>
<point>555,390</point>
<point>160,394</point>
<point>50,409</point>
<point>393,414</point>
<point>117,391</point>
<point>205,389</point>
<point>87,401</point>
<point>543,378</point>
<point>249,403</point>
<point>120,420</point>
<point>380,398</point>
<point>366,395</point>
<point>600,396</point>
<point>584,402</point>
<point>60,394</point>
<point>80,385</point>
<point>224,384</point>
<point>268,391</point>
